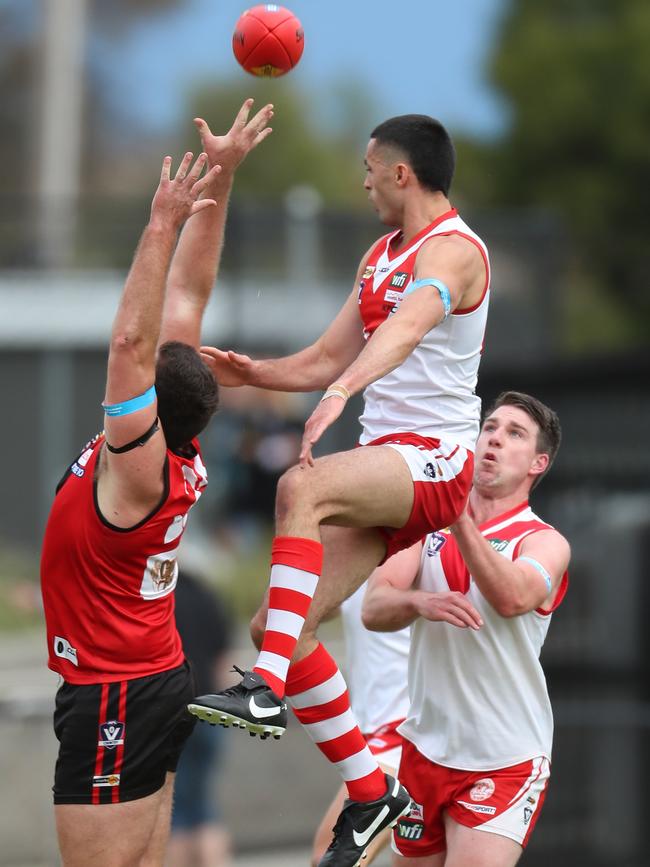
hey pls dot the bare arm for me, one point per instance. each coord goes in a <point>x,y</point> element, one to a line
<point>457,265</point>
<point>392,602</point>
<point>310,369</point>
<point>513,588</point>
<point>135,477</point>
<point>195,263</point>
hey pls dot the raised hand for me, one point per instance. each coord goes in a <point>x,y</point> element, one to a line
<point>177,198</point>
<point>230,149</point>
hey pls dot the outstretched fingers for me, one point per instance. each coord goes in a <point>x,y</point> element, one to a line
<point>201,184</point>
<point>166,169</point>
<point>184,166</point>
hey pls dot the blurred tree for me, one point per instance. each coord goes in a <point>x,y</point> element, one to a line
<point>577,77</point>
<point>300,151</point>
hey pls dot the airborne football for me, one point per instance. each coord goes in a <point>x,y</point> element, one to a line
<point>268,40</point>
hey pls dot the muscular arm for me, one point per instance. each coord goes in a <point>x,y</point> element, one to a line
<point>456,263</point>
<point>313,368</point>
<point>392,602</point>
<point>194,270</point>
<point>195,264</point>
<point>133,481</point>
<point>513,588</point>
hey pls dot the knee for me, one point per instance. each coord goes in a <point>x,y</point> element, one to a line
<point>294,491</point>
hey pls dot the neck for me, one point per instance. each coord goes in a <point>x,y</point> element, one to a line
<point>420,211</point>
<point>486,505</point>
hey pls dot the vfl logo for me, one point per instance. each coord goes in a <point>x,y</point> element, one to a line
<point>436,543</point>
<point>430,470</point>
<point>399,279</point>
<point>111,734</point>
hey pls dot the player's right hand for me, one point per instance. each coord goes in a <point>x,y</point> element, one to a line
<point>229,368</point>
<point>451,607</point>
<point>230,149</point>
<point>177,198</point>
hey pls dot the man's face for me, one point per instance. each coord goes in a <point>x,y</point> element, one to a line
<point>380,183</point>
<point>506,451</point>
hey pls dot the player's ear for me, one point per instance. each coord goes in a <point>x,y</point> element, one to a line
<point>401,174</point>
<point>539,464</point>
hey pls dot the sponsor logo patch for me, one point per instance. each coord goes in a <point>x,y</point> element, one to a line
<point>499,544</point>
<point>478,808</point>
<point>111,734</point>
<point>106,780</point>
<point>64,649</point>
<point>399,279</point>
<point>409,830</point>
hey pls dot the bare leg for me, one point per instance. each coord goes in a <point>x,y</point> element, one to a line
<point>471,847</point>
<point>109,835</point>
<point>157,845</point>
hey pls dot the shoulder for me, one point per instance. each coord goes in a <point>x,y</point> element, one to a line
<point>454,249</point>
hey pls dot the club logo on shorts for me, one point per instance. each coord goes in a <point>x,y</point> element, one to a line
<point>111,734</point>
<point>527,814</point>
<point>411,826</point>
<point>482,790</point>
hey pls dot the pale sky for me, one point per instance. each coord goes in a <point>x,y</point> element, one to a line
<point>414,55</point>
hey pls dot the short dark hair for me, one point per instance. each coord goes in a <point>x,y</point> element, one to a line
<point>549,435</point>
<point>425,143</point>
<point>188,394</point>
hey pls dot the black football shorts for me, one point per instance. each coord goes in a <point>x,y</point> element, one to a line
<point>117,741</point>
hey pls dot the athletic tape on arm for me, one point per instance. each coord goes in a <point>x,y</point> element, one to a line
<point>133,405</point>
<point>542,571</point>
<point>445,295</point>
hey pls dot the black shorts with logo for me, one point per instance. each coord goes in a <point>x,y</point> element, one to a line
<point>119,740</point>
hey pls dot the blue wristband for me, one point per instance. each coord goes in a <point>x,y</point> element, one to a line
<point>133,405</point>
<point>542,571</point>
<point>445,295</point>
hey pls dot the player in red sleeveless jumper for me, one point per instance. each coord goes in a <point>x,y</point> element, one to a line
<point>109,567</point>
<point>410,336</point>
<point>478,734</point>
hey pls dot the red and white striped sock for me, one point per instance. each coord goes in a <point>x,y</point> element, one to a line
<point>319,697</point>
<point>296,565</point>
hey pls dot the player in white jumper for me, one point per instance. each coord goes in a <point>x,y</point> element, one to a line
<point>377,675</point>
<point>479,731</point>
<point>410,334</point>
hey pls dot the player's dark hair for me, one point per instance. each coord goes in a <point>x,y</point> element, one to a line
<point>425,143</point>
<point>188,394</point>
<point>549,435</point>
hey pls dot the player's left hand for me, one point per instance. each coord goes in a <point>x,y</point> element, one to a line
<point>229,150</point>
<point>321,418</point>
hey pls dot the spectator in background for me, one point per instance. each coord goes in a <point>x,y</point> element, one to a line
<point>199,838</point>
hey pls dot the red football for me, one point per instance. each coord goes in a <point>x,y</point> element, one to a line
<point>268,40</point>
